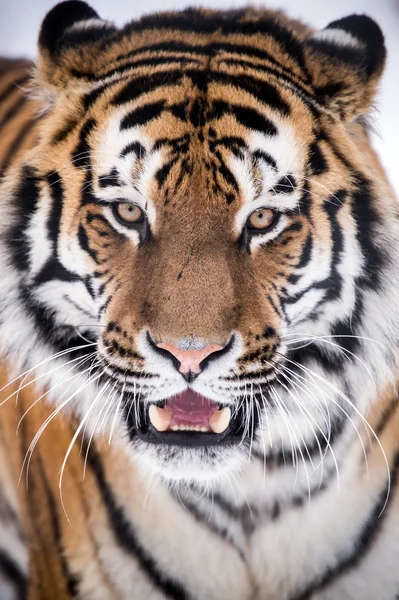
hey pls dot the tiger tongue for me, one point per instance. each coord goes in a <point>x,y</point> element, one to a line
<point>190,409</point>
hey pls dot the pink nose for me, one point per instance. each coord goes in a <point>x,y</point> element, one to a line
<point>190,359</point>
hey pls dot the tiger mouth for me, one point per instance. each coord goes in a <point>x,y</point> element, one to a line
<point>189,419</point>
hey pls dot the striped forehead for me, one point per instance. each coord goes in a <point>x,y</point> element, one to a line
<point>130,155</point>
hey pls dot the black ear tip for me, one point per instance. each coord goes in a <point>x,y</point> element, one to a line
<point>356,39</point>
<point>62,16</point>
<point>364,28</point>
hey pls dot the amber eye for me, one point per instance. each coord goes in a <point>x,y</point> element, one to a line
<point>262,219</point>
<point>127,214</point>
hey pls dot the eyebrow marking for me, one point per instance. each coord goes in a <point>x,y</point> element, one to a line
<point>285,185</point>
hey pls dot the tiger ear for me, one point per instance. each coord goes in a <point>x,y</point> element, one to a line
<point>68,40</point>
<point>345,61</point>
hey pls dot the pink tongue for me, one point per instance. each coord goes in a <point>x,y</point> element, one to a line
<point>189,407</point>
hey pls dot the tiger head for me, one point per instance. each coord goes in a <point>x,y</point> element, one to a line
<point>199,252</point>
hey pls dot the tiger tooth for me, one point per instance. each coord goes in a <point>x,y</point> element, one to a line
<point>220,419</point>
<point>160,417</point>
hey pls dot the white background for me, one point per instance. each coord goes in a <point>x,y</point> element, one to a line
<point>20,22</point>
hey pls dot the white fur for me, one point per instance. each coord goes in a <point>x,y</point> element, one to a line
<point>339,37</point>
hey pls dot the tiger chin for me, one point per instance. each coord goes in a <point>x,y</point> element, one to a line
<point>199,312</point>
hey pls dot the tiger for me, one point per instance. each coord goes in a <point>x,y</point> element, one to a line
<point>199,312</point>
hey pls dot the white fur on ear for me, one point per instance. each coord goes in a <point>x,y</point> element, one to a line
<point>90,24</point>
<point>339,37</point>
<point>356,41</point>
<point>346,60</point>
<point>71,23</point>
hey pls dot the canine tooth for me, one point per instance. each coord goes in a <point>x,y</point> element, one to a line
<point>160,417</point>
<point>220,419</point>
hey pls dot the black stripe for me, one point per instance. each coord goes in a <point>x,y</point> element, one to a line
<point>128,540</point>
<point>109,180</point>
<point>305,93</point>
<point>15,146</point>
<point>367,219</point>
<point>316,158</point>
<point>332,285</point>
<point>361,545</point>
<point>248,117</point>
<point>306,254</point>
<point>336,151</point>
<point>85,245</point>
<point>285,185</point>
<point>10,571</point>
<point>57,197</point>
<point>164,171</point>
<point>52,270</point>
<point>71,581</point>
<point>206,520</point>
<point>11,87</point>
<point>89,99</point>
<point>142,85</point>
<point>230,48</point>
<point>213,49</point>
<point>81,155</point>
<point>231,142</point>
<point>12,111</point>
<point>89,283</point>
<point>126,372</point>
<point>142,115</point>
<point>343,331</point>
<point>332,206</point>
<point>133,148</point>
<point>320,443</point>
<point>145,62</point>
<point>66,129</point>
<point>224,172</point>
<point>168,46</point>
<point>261,90</point>
<point>265,157</point>
<point>42,317</point>
<point>25,200</point>
<point>194,21</point>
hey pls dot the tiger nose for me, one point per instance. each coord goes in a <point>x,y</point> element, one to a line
<point>190,360</point>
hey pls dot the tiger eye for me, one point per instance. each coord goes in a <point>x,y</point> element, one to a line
<point>262,219</point>
<point>127,213</point>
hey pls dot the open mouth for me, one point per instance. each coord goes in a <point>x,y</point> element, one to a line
<point>189,419</point>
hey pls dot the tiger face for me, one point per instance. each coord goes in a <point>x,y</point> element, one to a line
<point>195,232</point>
